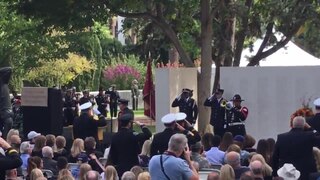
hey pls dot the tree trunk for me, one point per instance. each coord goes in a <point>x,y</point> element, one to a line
<point>204,78</point>
<point>173,56</point>
<point>229,33</point>
<point>242,35</point>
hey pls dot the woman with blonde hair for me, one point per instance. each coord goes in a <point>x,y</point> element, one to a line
<point>11,133</point>
<point>267,170</point>
<point>144,176</point>
<point>76,149</point>
<point>84,168</point>
<point>35,174</point>
<point>64,172</point>
<point>110,173</point>
<point>144,156</point>
<point>227,172</point>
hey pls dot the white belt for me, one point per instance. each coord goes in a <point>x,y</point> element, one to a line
<point>236,123</point>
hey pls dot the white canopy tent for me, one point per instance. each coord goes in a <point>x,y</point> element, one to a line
<point>290,55</point>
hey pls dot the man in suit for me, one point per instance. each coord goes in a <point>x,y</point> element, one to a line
<point>160,140</point>
<point>48,162</point>
<point>124,147</point>
<point>187,105</point>
<point>218,112</point>
<point>314,122</point>
<point>295,147</point>
<point>85,125</point>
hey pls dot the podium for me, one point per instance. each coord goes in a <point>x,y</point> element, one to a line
<point>42,110</point>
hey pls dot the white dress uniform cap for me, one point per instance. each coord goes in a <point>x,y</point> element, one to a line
<point>168,118</point>
<point>317,102</point>
<point>180,116</point>
<point>86,105</point>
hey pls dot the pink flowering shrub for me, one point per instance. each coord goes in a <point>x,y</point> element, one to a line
<point>121,75</point>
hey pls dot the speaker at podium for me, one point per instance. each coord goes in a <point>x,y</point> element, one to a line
<point>42,110</point>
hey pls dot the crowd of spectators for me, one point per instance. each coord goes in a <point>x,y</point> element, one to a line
<point>226,158</point>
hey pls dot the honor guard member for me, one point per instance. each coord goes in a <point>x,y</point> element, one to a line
<point>85,98</point>
<point>102,102</point>
<point>218,112</point>
<point>160,140</point>
<point>85,125</point>
<point>184,127</point>
<point>124,148</point>
<point>114,96</point>
<point>69,108</point>
<point>135,94</point>
<point>187,105</point>
<point>123,106</point>
<point>236,115</point>
<point>314,122</point>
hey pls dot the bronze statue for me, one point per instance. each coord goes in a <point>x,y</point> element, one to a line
<point>6,113</point>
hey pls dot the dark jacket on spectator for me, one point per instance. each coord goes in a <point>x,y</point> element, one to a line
<point>160,141</point>
<point>51,165</point>
<point>10,161</point>
<point>295,147</point>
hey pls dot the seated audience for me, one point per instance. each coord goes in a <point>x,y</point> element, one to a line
<point>214,155</point>
<point>90,149</point>
<point>227,172</point>
<point>206,141</point>
<point>62,163</point>
<point>51,141</point>
<point>288,171</point>
<point>35,174</point>
<point>128,175</point>
<point>76,149</point>
<point>226,141</point>
<point>233,159</point>
<point>263,149</point>
<point>60,148</point>
<point>248,143</point>
<point>64,172</point>
<point>48,162</point>
<point>39,143</point>
<point>244,155</point>
<point>110,173</point>
<point>213,176</point>
<point>25,151</point>
<point>92,175</point>
<point>10,134</point>
<point>257,170</point>
<point>266,169</point>
<point>144,176</point>
<point>136,170</point>
<point>196,151</point>
<point>84,168</point>
<point>11,174</point>
<point>144,156</point>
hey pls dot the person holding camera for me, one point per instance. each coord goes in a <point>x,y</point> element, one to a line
<point>187,105</point>
<point>236,116</point>
<point>10,160</point>
<point>218,111</point>
<point>169,165</point>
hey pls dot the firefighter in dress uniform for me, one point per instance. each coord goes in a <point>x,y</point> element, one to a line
<point>102,102</point>
<point>218,112</point>
<point>187,105</point>
<point>236,116</point>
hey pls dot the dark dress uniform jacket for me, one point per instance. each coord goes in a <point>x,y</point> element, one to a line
<point>188,106</point>
<point>9,161</point>
<point>234,116</point>
<point>217,118</point>
<point>314,122</point>
<point>124,149</point>
<point>85,126</point>
<point>160,141</point>
<point>295,147</point>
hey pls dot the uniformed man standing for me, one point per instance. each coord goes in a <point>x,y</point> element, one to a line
<point>85,125</point>
<point>160,140</point>
<point>134,94</point>
<point>124,149</point>
<point>187,105</point>
<point>184,127</point>
<point>218,111</point>
<point>123,106</point>
<point>85,98</point>
<point>236,116</point>
<point>114,96</point>
<point>314,122</point>
<point>69,108</point>
<point>102,102</point>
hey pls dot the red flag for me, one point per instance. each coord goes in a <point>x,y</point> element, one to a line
<point>149,94</point>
